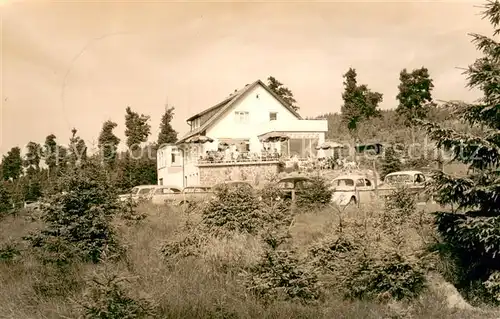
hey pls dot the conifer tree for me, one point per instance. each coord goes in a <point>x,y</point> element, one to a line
<point>473,228</point>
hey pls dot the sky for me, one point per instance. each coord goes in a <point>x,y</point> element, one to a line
<point>78,64</point>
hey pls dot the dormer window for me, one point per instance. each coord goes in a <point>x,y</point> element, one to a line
<point>273,116</point>
<point>196,123</point>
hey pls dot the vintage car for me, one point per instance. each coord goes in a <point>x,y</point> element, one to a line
<point>414,181</point>
<point>192,194</point>
<point>413,178</point>
<point>138,193</point>
<point>164,193</point>
<point>352,190</point>
<point>291,185</point>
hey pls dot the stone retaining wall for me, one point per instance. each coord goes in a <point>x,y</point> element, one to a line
<point>255,173</point>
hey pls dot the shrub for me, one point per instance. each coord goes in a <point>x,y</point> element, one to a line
<point>78,220</point>
<point>317,193</point>
<point>492,285</point>
<point>108,299</point>
<point>280,276</point>
<point>5,199</point>
<point>185,245</point>
<point>391,277</point>
<point>8,252</point>
<point>234,209</point>
<point>391,162</point>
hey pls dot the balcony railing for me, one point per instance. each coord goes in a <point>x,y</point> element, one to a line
<point>240,157</point>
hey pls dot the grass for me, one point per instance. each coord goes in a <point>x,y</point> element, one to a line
<point>196,287</point>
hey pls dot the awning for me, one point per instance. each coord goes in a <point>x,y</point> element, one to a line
<point>199,139</point>
<point>273,137</point>
<point>329,145</point>
<point>233,141</point>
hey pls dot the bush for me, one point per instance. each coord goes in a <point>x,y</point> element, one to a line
<point>238,209</point>
<point>315,194</point>
<point>280,276</point>
<point>107,299</point>
<point>391,277</point>
<point>78,219</point>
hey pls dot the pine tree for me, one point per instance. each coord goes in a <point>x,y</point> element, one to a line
<point>108,143</point>
<point>167,133</point>
<point>77,149</point>
<point>391,162</point>
<point>472,229</point>
<point>137,128</point>
<point>12,164</point>
<point>360,102</point>
<point>282,91</point>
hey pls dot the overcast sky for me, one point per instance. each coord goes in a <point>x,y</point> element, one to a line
<point>79,64</point>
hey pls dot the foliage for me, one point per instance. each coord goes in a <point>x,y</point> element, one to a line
<point>415,91</point>
<point>137,127</point>
<point>8,252</point>
<point>280,275</point>
<point>33,155</point>
<point>391,162</point>
<point>234,209</point>
<point>50,152</point>
<point>12,164</point>
<point>391,277</point>
<point>108,299</point>
<point>493,285</point>
<point>5,199</point>
<point>283,92</point>
<point>316,193</point>
<point>360,103</point>
<point>187,244</point>
<point>473,228</point>
<point>78,220</point>
<point>108,143</point>
<point>77,149</point>
<point>167,133</point>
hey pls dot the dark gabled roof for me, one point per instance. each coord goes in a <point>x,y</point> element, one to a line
<point>225,105</point>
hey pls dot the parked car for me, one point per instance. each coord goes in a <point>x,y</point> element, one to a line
<point>291,185</point>
<point>164,193</point>
<point>352,190</point>
<point>413,178</point>
<point>234,184</point>
<point>137,193</point>
<point>193,194</point>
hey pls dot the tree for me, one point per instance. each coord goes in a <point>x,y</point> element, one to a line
<point>137,127</point>
<point>12,164</point>
<point>108,143</point>
<point>472,229</point>
<point>79,218</point>
<point>415,92</point>
<point>50,152</point>
<point>360,103</point>
<point>167,133</point>
<point>5,199</point>
<point>391,162</point>
<point>33,156</point>
<point>283,92</point>
<point>77,149</point>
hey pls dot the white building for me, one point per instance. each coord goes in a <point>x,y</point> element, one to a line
<point>239,121</point>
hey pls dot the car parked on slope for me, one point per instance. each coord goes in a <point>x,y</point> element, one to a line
<point>414,181</point>
<point>164,193</point>
<point>191,195</point>
<point>292,185</point>
<point>138,193</point>
<point>352,189</point>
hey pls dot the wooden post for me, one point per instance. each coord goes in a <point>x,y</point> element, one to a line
<point>375,179</point>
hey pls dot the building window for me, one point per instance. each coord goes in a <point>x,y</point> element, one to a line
<point>273,116</point>
<point>160,182</point>
<point>241,117</point>
<point>175,158</point>
<point>195,123</point>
